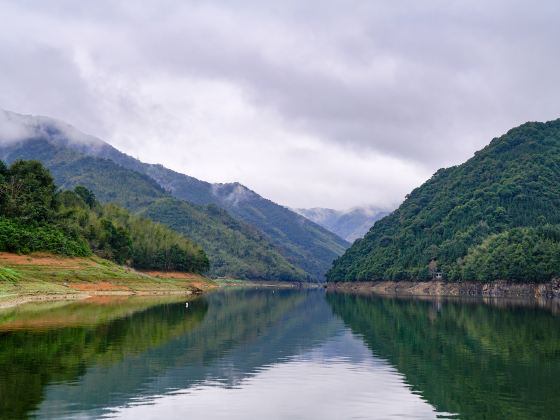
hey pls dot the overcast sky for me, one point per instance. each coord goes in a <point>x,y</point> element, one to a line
<point>330,103</point>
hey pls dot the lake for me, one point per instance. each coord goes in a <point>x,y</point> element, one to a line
<point>265,354</point>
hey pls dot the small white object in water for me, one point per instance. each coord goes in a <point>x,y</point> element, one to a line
<point>187,305</point>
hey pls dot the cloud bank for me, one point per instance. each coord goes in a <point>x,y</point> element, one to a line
<point>320,103</point>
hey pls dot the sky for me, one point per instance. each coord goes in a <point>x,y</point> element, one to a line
<point>322,103</point>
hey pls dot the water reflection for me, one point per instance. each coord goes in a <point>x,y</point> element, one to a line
<point>250,353</point>
<point>45,344</point>
<point>474,359</point>
<point>243,332</point>
<point>335,380</point>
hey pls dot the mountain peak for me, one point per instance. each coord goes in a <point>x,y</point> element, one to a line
<point>233,193</point>
<point>16,127</point>
<point>348,224</point>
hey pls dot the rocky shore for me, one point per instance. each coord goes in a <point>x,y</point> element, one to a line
<point>497,289</point>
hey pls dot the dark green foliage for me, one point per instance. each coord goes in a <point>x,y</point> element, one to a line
<point>22,238</point>
<point>511,183</point>
<point>115,234</point>
<point>155,246</point>
<point>518,254</point>
<point>87,195</point>
<point>116,240</point>
<point>27,192</point>
<point>110,182</point>
<point>28,212</point>
<point>236,249</point>
<point>301,242</point>
<point>33,217</point>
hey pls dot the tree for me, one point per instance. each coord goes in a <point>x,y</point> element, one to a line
<point>87,195</point>
<point>27,192</point>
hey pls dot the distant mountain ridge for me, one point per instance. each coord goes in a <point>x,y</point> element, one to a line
<point>350,224</point>
<point>306,245</point>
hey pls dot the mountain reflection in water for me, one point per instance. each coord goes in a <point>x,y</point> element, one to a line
<point>261,353</point>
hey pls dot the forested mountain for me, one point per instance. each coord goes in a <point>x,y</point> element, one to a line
<point>496,216</point>
<point>303,242</point>
<point>76,159</point>
<point>350,224</point>
<point>34,216</point>
<point>234,248</point>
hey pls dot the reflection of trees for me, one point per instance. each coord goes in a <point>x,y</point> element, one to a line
<point>476,360</point>
<point>30,359</point>
<point>243,331</point>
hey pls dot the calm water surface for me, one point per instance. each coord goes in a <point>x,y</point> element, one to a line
<point>264,354</point>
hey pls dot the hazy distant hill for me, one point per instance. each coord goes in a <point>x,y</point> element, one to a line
<point>497,216</point>
<point>350,224</point>
<point>298,247</point>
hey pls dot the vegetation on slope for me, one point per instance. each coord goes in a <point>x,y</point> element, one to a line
<point>28,213</point>
<point>465,221</point>
<point>302,242</point>
<point>235,248</point>
<point>35,217</point>
<point>47,274</point>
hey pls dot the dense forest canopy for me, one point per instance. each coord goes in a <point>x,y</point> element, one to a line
<point>34,216</point>
<point>496,216</point>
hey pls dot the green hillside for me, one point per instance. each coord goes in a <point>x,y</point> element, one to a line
<point>494,217</point>
<point>234,248</point>
<point>34,216</point>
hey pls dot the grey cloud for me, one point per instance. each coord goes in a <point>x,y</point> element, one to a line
<point>461,74</point>
<point>15,127</point>
<point>426,83</point>
<point>12,129</point>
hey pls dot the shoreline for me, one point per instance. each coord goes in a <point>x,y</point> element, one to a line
<point>10,301</point>
<point>44,277</point>
<point>494,289</point>
<point>15,299</point>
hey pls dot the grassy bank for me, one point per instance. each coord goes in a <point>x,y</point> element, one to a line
<point>47,276</point>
